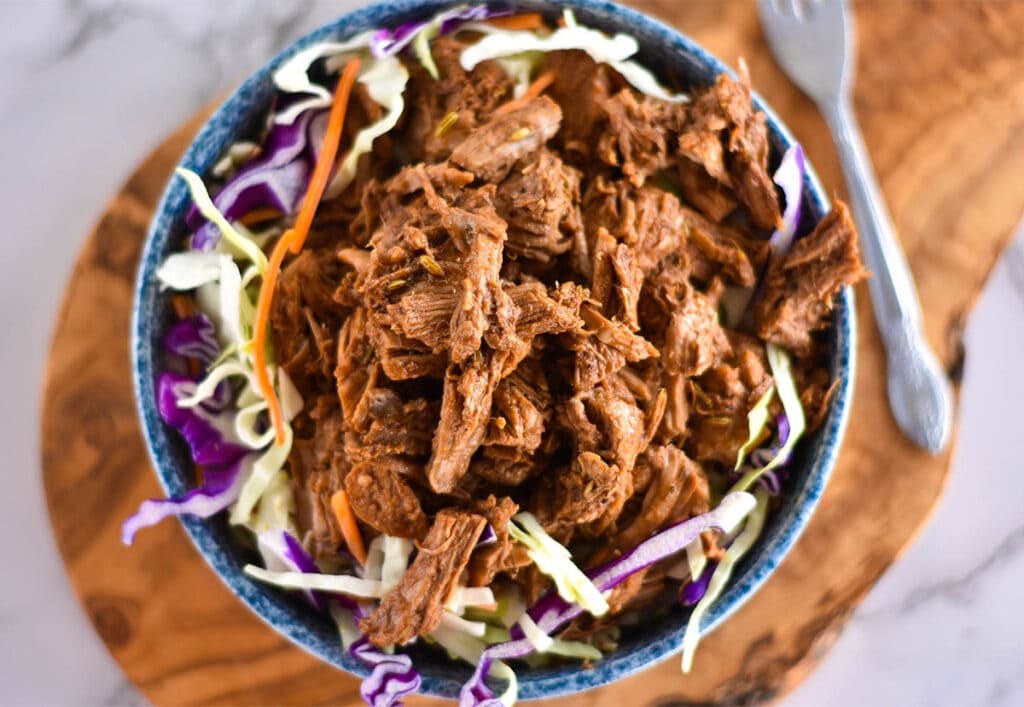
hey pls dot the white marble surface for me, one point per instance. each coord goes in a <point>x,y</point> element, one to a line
<point>89,86</point>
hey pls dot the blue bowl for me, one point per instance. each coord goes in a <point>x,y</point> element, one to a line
<point>669,54</point>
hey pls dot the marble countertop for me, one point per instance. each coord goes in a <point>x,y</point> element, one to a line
<point>939,629</point>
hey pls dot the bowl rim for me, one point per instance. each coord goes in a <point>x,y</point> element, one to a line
<point>206,147</point>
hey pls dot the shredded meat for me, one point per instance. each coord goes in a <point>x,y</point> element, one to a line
<point>384,500</point>
<point>588,491</point>
<point>561,306</point>
<point>678,490</point>
<point>465,410</point>
<point>413,608</point>
<point>490,150</point>
<point>490,559</point>
<point>694,338</point>
<point>729,139</point>
<point>540,202</point>
<point>799,288</point>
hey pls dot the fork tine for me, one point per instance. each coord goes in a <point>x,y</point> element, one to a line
<point>776,11</point>
<point>813,42</point>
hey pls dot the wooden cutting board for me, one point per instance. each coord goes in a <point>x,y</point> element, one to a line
<point>940,95</point>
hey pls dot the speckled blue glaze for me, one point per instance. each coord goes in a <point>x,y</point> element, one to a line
<point>671,55</point>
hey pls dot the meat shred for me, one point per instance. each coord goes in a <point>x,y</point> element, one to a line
<point>519,310</point>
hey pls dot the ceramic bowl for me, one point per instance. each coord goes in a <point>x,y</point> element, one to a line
<point>671,55</point>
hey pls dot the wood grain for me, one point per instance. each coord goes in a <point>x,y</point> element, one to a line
<point>940,95</point>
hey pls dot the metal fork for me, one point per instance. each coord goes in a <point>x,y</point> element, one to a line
<point>814,42</point>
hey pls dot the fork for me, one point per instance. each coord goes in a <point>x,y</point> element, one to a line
<point>814,43</point>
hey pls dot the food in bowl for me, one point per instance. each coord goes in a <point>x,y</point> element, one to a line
<point>500,345</point>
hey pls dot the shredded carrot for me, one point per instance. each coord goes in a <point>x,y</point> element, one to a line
<point>528,20</point>
<point>532,91</point>
<point>259,334</point>
<point>258,215</point>
<point>293,240</point>
<point>347,523</point>
<point>329,150</point>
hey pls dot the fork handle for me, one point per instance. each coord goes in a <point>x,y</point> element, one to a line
<point>919,392</point>
<point>893,294</point>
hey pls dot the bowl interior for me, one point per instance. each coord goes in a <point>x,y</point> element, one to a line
<point>677,60</point>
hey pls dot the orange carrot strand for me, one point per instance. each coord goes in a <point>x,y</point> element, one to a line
<point>328,152</point>
<point>525,21</point>
<point>259,334</point>
<point>258,215</point>
<point>536,88</point>
<point>347,524</point>
<point>292,240</point>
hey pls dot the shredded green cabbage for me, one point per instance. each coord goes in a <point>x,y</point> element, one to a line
<point>520,68</point>
<point>574,649</point>
<point>245,425</point>
<point>291,398</point>
<point>540,641</point>
<point>385,80</point>
<point>347,628</point>
<point>459,644</point>
<point>421,46</point>
<point>396,560</point>
<point>779,362</point>
<point>293,75</point>
<point>496,634</point>
<point>695,558</point>
<point>467,597</point>
<point>214,378</point>
<point>757,419</point>
<point>276,507</point>
<point>740,546</point>
<point>477,629</point>
<point>554,560</point>
<point>230,302</point>
<point>191,269</point>
<point>613,51</point>
<point>333,583</point>
<point>207,208</point>
<point>374,558</point>
<point>262,474</point>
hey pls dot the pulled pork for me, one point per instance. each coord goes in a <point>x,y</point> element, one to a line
<point>521,311</point>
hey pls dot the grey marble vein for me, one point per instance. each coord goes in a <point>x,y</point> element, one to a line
<point>89,21</point>
<point>962,587</point>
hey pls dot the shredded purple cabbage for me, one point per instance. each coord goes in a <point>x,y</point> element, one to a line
<point>488,537</point>
<point>387,42</point>
<point>771,480</point>
<point>210,435</point>
<point>552,611</point>
<point>277,179</point>
<point>392,678</point>
<point>790,178</point>
<point>694,590</point>
<point>282,552</point>
<point>208,429</point>
<point>193,337</point>
<point>220,489</point>
<point>211,441</point>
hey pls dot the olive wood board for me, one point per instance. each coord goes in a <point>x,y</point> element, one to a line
<point>940,96</point>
